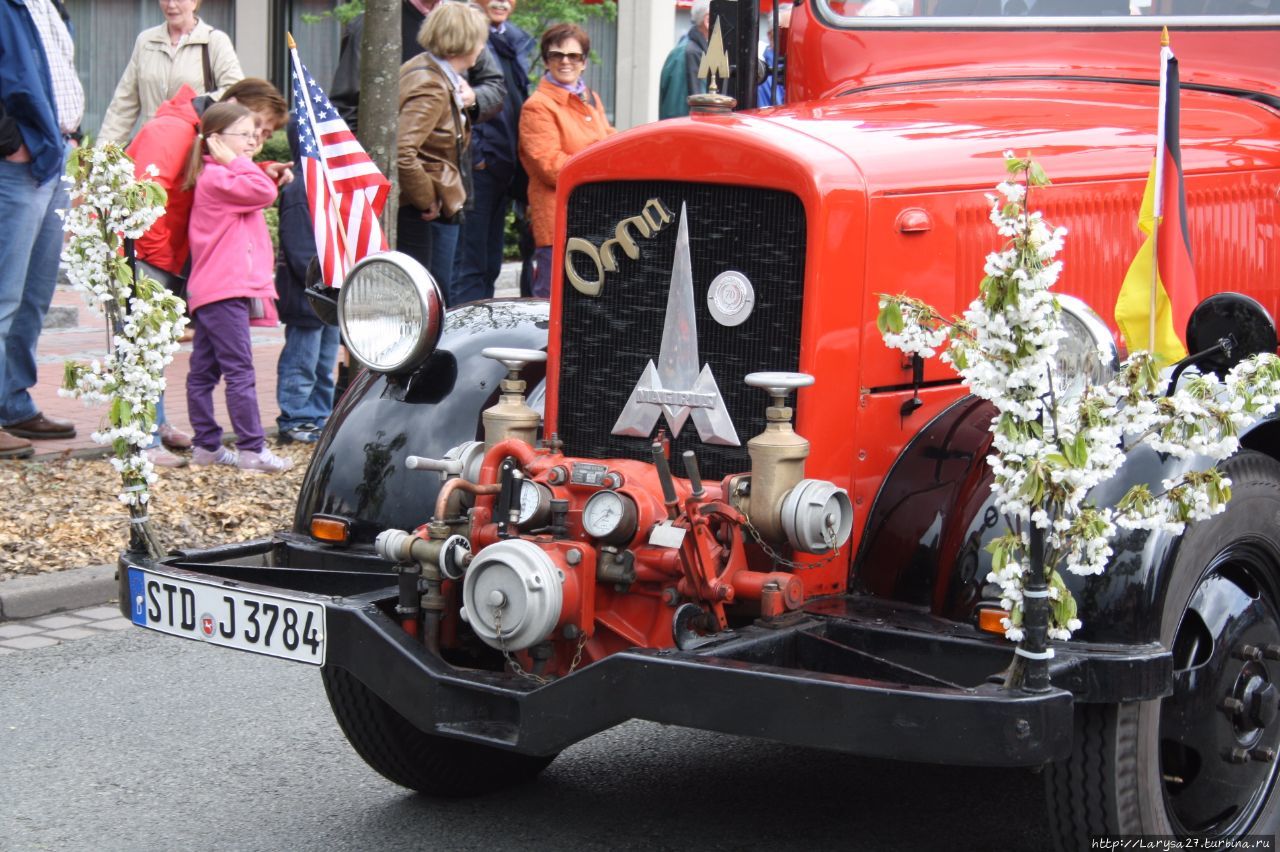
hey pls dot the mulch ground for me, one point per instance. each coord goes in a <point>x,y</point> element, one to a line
<point>64,513</point>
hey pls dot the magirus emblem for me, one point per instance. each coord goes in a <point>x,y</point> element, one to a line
<point>675,387</point>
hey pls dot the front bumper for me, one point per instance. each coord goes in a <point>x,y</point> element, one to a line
<point>851,674</point>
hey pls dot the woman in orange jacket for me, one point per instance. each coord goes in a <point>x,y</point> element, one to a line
<point>560,118</point>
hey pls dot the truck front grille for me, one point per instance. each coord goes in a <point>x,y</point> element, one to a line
<point>606,341</point>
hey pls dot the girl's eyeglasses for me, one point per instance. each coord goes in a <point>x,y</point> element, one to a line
<point>243,134</point>
<point>560,56</point>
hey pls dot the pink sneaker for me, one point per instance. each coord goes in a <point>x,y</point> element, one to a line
<point>160,457</point>
<point>174,439</point>
<point>223,455</point>
<point>264,461</point>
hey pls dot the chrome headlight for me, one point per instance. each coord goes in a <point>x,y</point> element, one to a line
<point>390,311</point>
<point>1088,354</point>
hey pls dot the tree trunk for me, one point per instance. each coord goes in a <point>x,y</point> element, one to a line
<point>379,96</point>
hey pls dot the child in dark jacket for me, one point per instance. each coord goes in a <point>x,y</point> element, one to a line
<point>305,372</point>
<point>230,287</point>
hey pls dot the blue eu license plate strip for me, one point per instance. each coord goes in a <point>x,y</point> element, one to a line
<point>256,622</point>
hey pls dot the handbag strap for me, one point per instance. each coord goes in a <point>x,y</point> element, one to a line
<point>208,68</point>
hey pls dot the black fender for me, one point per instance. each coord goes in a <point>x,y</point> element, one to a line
<point>357,471</point>
<point>934,515</point>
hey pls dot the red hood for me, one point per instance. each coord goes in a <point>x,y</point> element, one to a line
<point>948,134</point>
<point>179,106</point>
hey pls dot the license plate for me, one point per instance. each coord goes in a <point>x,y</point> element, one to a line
<point>248,621</point>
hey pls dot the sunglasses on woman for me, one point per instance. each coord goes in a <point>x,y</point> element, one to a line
<point>561,56</point>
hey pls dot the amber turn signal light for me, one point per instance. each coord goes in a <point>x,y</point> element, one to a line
<point>332,530</point>
<point>989,619</point>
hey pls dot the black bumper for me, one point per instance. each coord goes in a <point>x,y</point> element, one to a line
<point>850,674</point>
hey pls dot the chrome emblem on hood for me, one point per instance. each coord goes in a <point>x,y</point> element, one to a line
<point>675,387</point>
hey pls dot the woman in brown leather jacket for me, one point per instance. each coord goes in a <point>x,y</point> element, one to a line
<point>433,137</point>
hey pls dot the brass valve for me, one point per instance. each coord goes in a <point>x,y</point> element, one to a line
<point>777,455</point>
<point>512,417</point>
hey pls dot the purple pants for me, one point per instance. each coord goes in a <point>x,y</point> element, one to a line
<point>222,349</point>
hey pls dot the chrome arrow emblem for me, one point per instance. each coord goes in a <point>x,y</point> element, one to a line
<point>676,387</point>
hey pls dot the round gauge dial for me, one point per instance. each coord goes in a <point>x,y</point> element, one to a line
<point>609,516</point>
<point>535,504</point>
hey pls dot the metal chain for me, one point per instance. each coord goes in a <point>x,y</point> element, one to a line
<point>577,655</point>
<point>515,664</point>
<point>828,534</point>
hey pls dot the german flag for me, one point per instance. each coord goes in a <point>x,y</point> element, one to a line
<point>1159,290</point>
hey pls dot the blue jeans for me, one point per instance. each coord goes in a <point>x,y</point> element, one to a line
<point>29,251</point>
<point>304,375</point>
<point>480,244</point>
<point>433,244</point>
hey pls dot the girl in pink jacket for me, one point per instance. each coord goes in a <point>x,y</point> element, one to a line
<point>230,287</point>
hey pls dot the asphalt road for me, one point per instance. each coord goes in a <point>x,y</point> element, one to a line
<point>136,741</point>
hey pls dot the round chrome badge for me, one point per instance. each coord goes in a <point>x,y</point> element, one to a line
<point>731,298</point>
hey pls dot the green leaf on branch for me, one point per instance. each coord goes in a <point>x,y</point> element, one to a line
<point>1137,501</point>
<point>71,373</point>
<point>1077,451</point>
<point>1035,484</point>
<point>890,318</point>
<point>1064,606</point>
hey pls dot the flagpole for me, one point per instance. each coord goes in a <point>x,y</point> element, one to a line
<point>333,196</point>
<point>1157,203</point>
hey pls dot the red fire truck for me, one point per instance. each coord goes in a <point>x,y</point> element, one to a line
<point>695,487</point>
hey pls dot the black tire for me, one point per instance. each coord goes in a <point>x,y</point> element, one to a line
<point>428,763</point>
<point>1191,764</point>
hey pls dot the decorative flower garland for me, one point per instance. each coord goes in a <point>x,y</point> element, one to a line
<point>1049,448</point>
<point>145,320</point>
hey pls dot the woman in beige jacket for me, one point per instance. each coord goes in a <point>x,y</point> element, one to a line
<point>184,49</point>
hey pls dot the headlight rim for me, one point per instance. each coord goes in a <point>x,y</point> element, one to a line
<point>1095,326</point>
<point>430,301</point>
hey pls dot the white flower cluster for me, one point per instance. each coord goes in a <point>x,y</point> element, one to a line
<point>1048,450</point>
<point>146,320</point>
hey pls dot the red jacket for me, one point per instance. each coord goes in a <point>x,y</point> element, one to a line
<point>165,142</point>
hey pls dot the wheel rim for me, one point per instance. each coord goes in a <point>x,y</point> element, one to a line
<point>1220,729</point>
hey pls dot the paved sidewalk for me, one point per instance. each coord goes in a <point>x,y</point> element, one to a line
<point>51,630</point>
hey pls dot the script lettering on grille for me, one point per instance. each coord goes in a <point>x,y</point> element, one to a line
<point>653,218</point>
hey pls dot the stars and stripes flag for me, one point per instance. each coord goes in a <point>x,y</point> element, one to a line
<point>345,190</point>
<point>1159,290</point>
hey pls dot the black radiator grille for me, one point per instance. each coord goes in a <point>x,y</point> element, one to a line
<point>607,340</point>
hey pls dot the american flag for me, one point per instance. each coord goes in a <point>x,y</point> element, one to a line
<point>345,190</point>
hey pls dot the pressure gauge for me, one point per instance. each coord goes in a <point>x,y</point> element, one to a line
<point>535,504</point>
<point>610,517</point>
